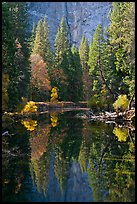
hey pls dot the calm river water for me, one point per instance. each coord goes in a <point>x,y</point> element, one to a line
<point>62,158</point>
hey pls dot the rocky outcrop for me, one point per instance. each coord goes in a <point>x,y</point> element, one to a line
<point>81,17</point>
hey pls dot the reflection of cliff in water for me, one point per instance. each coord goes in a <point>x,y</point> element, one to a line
<point>57,137</point>
<point>93,147</point>
<point>40,156</point>
<point>71,159</point>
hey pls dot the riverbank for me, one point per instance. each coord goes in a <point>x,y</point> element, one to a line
<point>126,119</point>
<point>105,115</point>
<point>86,112</point>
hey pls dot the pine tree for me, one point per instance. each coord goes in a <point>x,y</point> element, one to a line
<point>73,71</point>
<point>62,59</point>
<point>65,60</point>
<point>32,38</point>
<point>122,38</point>
<point>94,60</point>
<point>42,43</point>
<point>48,56</point>
<point>68,61</point>
<point>76,76</point>
<point>38,47</point>
<point>101,70</point>
<point>84,51</point>
<point>84,54</point>
<point>15,42</point>
<point>95,49</point>
<point>62,45</point>
<point>21,21</point>
<point>8,55</point>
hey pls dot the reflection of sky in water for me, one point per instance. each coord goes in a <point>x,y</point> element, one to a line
<point>76,189</point>
<point>69,144</point>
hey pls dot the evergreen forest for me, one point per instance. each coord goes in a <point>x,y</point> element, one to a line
<point>68,110</point>
<point>101,73</point>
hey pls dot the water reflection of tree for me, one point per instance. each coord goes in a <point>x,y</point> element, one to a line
<point>40,156</point>
<point>14,161</point>
<point>62,135</point>
<point>61,168</point>
<point>123,185</point>
<point>111,171</point>
<point>66,146</point>
<point>85,147</point>
<point>40,172</point>
<point>108,159</point>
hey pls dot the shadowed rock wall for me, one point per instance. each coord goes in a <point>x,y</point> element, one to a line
<point>81,17</point>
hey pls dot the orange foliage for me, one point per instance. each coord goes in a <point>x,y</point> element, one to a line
<point>39,141</point>
<point>39,73</point>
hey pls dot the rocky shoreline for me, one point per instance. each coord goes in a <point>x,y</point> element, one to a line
<point>125,119</point>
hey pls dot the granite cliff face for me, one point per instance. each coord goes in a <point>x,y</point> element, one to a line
<point>81,17</point>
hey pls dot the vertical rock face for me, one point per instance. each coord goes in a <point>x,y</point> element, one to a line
<point>81,17</point>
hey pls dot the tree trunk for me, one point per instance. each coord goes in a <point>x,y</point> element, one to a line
<point>131,100</point>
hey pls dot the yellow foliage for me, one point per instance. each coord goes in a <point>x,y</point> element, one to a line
<point>52,100</point>
<point>54,94</point>
<point>30,107</point>
<point>122,102</point>
<point>62,104</point>
<point>54,120</point>
<point>121,133</point>
<point>54,90</point>
<point>29,124</point>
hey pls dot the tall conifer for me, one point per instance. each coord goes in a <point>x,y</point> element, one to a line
<point>9,70</point>
<point>22,35</point>
<point>48,55</point>
<point>38,47</point>
<point>84,54</point>
<point>42,43</point>
<point>61,42</point>
<point>122,38</point>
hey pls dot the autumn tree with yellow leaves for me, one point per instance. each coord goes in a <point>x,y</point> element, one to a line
<point>54,95</point>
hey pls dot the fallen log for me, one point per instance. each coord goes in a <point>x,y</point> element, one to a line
<point>52,109</point>
<point>109,116</point>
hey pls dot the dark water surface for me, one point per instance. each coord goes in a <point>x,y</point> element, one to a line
<point>62,158</point>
